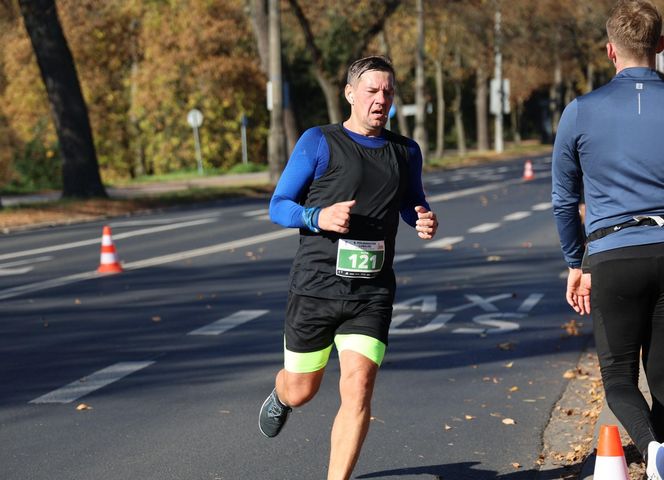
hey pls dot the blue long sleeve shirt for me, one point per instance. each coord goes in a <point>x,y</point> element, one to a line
<point>309,161</point>
<point>611,143</point>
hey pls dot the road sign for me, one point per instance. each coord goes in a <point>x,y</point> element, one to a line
<point>195,118</point>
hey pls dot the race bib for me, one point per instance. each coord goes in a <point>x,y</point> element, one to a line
<point>360,258</point>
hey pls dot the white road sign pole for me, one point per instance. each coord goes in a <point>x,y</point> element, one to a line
<point>195,120</point>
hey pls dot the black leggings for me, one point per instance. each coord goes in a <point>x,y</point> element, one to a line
<point>627,300</point>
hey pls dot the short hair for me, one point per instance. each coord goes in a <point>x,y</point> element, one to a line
<point>374,62</point>
<point>635,26</point>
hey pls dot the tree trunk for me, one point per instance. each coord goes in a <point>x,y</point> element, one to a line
<point>330,85</point>
<point>80,169</point>
<point>420,132</point>
<point>259,22</point>
<point>276,141</point>
<point>331,94</point>
<point>138,167</point>
<point>398,101</point>
<point>555,94</point>
<point>458,120</point>
<point>516,122</point>
<point>440,107</point>
<point>590,73</point>
<point>481,110</point>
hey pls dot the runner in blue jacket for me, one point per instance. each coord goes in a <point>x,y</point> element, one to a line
<point>610,145</point>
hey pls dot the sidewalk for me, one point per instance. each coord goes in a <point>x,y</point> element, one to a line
<point>148,189</point>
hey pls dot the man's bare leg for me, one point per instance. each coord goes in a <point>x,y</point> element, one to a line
<point>358,375</point>
<point>296,389</point>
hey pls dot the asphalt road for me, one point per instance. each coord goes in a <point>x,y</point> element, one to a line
<point>158,372</point>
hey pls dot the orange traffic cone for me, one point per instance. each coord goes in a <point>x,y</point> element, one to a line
<point>610,462</point>
<point>109,258</point>
<point>528,173</point>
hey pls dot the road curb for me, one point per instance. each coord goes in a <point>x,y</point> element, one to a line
<point>606,417</point>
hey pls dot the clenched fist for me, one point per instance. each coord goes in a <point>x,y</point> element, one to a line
<point>336,218</point>
<point>426,224</point>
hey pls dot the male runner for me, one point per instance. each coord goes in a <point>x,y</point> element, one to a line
<point>344,187</point>
<point>612,141</point>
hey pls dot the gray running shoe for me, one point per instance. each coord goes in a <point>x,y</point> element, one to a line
<point>273,415</point>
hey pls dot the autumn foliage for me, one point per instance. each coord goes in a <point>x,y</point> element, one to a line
<point>143,64</point>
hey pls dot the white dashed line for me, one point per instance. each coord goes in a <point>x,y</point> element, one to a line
<point>516,216</point>
<point>444,242</point>
<point>89,384</point>
<point>255,213</point>
<point>232,321</point>
<point>542,206</point>
<point>96,241</point>
<point>484,227</point>
<point>403,257</point>
<point>149,262</point>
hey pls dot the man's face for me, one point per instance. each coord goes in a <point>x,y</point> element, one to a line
<point>371,98</point>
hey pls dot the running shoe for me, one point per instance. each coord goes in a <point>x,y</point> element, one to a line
<point>273,415</point>
<point>655,468</point>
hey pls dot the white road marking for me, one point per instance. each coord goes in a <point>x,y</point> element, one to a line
<point>483,228</point>
<point>516,216</point>
<point>403,257</point>
<point>83,243</point>
<point>444,242</point>
<point>485,304</point>
<point>139,221</point>
<point>542,206</point>
<point>7,269</point>
<point>263,217</point>
<point>438,322</point>
<point>232,321</point>
<point>484,188</point>
<point>149,262</point>
<point>89,384</point>
<point>255,213</point>
<point>26,262</point>
<point>530,302</point>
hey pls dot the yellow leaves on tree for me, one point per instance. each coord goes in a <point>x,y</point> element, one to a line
<point>142,66</point>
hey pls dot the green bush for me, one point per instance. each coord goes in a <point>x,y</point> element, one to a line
<point>37,166</point>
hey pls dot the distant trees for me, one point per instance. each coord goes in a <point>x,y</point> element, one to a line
<point>142,64</point>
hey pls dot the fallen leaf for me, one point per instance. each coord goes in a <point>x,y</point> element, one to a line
<point>77,301</point>
<point>447,427</point>
<point>156,318</point>
<point>469,417</point>
<point>82,406</point>
<point>569,374</point>
<point>506,346</point>
<point>509,421</point>
<point>514,389</point>
<point>572,328</point>
<point>493,258</point>
<point>516,465</point>
<point>509,365</point>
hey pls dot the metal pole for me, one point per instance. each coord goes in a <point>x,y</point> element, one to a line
<point>243,130</point>
<point>199,159</point>
<point>498,75</point>
<point>277,141</point>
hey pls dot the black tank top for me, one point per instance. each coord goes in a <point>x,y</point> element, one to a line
<point>376,178</point>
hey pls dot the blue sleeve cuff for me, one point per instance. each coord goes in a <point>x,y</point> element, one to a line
<point>310,218</point>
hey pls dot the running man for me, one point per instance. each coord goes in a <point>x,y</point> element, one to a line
<point>344,187</point>
<point>612,142</point>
